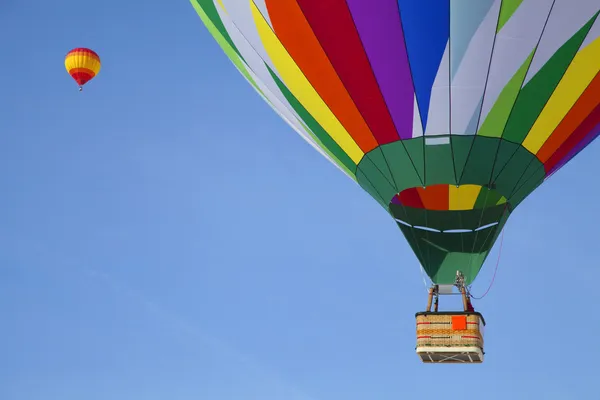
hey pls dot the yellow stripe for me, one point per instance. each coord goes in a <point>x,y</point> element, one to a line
<point>578,76</point>
<point>82,61</point>
<point>463,197</point>
<point>302,89</point>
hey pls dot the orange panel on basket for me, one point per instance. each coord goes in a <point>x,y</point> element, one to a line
<point>459,322</point>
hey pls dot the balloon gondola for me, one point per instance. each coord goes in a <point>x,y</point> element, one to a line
<point>448,113</point>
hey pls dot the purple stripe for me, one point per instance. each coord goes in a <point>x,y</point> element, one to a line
<point>580,146</point>
<point>378,24</point>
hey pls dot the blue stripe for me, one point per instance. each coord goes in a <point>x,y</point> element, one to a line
<point>426,26</point>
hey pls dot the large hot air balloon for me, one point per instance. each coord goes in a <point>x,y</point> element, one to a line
<point>449,113</point>
<point>83,65</point>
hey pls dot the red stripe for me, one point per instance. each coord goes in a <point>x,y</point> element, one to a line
<point>423,323</point>
<point>423,337</point>
<point>470,337</point>
<point>84,50</point>
<point>578,135</point>
<point>332,23</point>
<point>296,35</point>
<point>472,323</point>
<point>586,103</point>
<point>81,77</point>
<point>410,198</point>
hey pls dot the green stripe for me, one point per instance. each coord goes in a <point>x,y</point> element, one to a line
<point>495,121</point>
<point>324,138</point>
<point>208,9</point>
<point>326,150</point>
<point>535,94</point>
<point>488,198</point>
<point>508,9</point>
<point>225,42</point>
<point>210,17</point>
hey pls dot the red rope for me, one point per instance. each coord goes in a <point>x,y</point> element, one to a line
<point>495,269</point>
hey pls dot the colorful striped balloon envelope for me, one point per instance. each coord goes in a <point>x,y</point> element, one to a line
<point>83,65</point>
<point>449,113</point>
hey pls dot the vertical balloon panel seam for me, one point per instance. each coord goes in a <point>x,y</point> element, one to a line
<point>422,178</point>
<point>492,178</point>
<point>416,100</point>
<point>349,94</point>
<point>566,139</point>
<point>518,94</point>
<point>317,92</point>
<point>314,121</point>
<point>363,60</point>
<point>244,73</point>
<point>594,119</point>
<point>483,95</point>
<point>564,130</point>
<point>450,91</point>
<point>234,55</point>
<point>561,86</point>
<point>196,4</point>
<point>575,57</point>
<point>459,180</point>
<point>300,101</point>
<point>328,106</point>
<point>341,83</point>
<point>517,186</point>
<point>380,33</point>
<point>545,69</point>
<point>548,173</point>
<point>380,91</point>
<point>285,105</point>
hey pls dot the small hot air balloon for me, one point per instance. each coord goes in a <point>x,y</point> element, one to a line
<point>83,65</point>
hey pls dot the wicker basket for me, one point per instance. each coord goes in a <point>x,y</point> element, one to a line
<point>450,337</point>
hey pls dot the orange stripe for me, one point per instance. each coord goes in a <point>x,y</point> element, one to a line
<point>296,35</point>
<point>582,108</point>
<point>434,197</point>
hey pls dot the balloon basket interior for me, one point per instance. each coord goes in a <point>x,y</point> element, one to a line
<point>450,337</point>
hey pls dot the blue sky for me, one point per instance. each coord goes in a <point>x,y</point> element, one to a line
<point>166,236</point>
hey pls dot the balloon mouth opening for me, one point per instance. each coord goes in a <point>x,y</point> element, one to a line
<point>450,209</point>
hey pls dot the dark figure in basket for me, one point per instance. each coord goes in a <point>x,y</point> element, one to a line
<point>470,307</point>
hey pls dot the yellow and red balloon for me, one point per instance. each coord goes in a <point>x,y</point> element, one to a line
<point>83,65</point>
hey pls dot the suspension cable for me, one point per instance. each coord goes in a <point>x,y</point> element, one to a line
<point>495,270</point>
